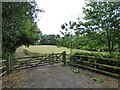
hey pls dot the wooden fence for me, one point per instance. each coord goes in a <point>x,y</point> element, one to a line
<point>97,64</point>
<point>24,62</point>
<point>89,62</point>
<point>2,67</point>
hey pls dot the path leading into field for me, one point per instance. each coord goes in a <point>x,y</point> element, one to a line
<point>19,53</point>
<point>56,76</point>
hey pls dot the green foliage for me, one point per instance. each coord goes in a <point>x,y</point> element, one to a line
<point>50,39</point>
<point>74,59</point>
<point>62,64</point>
<point>110,86</point>
<point>97,79</point>
<point>17,63</point>
<point>7,53</point>
<point>19,26</point>
<point>76,70</point>
<point>32,84</point>
<point>100,29</point>
<point>68,40</point>
<point>25,51</point>
<point>115,55</point>
<point>102,24</point>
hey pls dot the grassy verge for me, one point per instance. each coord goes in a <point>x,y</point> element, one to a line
<point>114,55</point>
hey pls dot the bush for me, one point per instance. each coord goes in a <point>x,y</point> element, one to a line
<point>99,54</point>
<point>26,51</point>
<point>8,54</point>
<point>78,60</point>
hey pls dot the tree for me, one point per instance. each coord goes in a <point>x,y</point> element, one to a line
<point>68,38</point>
<point>48,39</point>
<point>18,26</point>
<point>102,19</point>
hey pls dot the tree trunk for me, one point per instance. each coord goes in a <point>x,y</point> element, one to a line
<point>109,42</point>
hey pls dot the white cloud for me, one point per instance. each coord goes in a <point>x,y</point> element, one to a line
<point>57,12</point>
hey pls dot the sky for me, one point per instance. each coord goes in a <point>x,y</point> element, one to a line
<point>57,12</point>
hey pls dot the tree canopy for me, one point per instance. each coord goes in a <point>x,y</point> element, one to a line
<point>50,39</point>
<point>19,26</point>
<point>102,20</point>
<point>100,29</point>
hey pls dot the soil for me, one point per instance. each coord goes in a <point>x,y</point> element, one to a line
<point>56,76</point>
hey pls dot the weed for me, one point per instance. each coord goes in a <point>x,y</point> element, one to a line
<point>76,70</point>
<point>110,85</point>
<point>97,79</point>
<point>63,65</point>
<point>32,84</point>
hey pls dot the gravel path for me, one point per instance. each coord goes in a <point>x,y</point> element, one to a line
<point>56,76</point>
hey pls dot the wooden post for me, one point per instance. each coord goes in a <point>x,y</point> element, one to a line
<point>95,63</point>
<point>64,57</point>
<point>44,58</point>
<point>11,64</point>
<point>45,55</point>
<point>8,65</point>
<point>52,58</point>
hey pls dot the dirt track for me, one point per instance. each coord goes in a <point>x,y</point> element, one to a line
<point>56,76</point>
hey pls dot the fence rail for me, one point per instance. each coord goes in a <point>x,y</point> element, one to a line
<point>86,62</point>
<point>98,57</point>
<point>2,67</point>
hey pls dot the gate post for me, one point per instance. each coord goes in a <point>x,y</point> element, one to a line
<point>8,65</point>
<point>52,58</point>
<point>64,57</point>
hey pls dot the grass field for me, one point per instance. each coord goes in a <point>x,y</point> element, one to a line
<point>48,49</point>
<point>45,49</point>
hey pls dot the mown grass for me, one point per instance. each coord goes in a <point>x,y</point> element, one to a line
<point>45,49</point>
<point>48,49</point>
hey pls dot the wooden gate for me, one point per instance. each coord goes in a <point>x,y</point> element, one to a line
<point>35,61</point>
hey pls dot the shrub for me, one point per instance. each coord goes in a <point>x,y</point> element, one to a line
<point>97,79</point>
<point>115,55</point>
<point>76,70</point>
<point>78,60</point>
<point>26,51</point>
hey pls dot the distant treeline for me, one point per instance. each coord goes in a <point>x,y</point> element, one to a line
<point>48,39</point>
<point>52,39</point>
